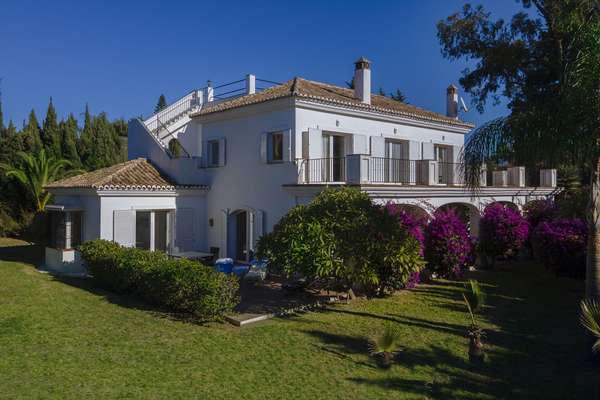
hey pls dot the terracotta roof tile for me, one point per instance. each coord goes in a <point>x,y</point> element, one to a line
<point>330,94</point>
<point>136,174</point>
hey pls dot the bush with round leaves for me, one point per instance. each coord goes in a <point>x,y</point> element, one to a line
<point>342,235</point>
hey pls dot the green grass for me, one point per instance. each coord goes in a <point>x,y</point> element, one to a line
<point>65,340</point>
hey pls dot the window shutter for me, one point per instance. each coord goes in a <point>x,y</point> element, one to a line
<point>414,150</point>
<point>287,145</point>
<point>205,161</point>
<point>456,150</point>
<point>257,228</point>
<point>184,229</point>
<point>222,152</point>
<point>428,151</point>
<point>377,146</point>
<point>315,143</point>
<point>359,144</point>
<point>264,137</point>
<point>124,227</point>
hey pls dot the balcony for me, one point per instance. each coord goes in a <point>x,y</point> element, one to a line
<point>364,169</point>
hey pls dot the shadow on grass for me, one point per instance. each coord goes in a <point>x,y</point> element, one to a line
<point>30,254</point>
<point>125,300</point>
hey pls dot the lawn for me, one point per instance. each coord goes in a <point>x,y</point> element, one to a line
<point>66,340</point>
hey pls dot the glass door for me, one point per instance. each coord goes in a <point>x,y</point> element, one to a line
<point>442,156</point>
<point>396,161</point>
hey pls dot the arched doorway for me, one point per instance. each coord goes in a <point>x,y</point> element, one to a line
<point>468,213</point>
<point>238,235</point>
<point>244,227</point>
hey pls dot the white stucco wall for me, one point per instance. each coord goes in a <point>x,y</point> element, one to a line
<point>245,181</point>
<point>117,201</point>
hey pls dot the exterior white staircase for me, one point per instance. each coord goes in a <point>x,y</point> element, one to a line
<point>168,122</point>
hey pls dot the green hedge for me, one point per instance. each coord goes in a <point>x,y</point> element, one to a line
<point>181,285</point>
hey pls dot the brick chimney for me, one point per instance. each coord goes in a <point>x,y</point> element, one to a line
<point>452,102</point>
<point>362,80</point>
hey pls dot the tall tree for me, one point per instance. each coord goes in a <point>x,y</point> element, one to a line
<point>68,140</point>
<point>31,140</point>
<point>161,104</point>
<point>2,128</point>
<point>547,64</point>
<point>50,133</point>
<point>34,172</point>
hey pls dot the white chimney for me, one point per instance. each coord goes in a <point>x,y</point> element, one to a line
<point>210,92</point>
<point>362,80</point>
<point>452,102</point>
<point>250,84</point>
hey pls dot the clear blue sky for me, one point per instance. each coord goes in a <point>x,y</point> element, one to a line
<point>118,56</point>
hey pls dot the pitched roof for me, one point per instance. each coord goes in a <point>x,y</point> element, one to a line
<point>136,174</point>
<point>330,94</point>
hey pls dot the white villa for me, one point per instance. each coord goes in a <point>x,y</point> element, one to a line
<point>251,153</point>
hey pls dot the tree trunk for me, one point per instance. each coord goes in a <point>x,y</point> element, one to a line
<point>592,286</point>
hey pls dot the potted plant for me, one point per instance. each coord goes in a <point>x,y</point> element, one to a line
<point>474,299</point>
<point>384,346</point>
<point>590,319</point>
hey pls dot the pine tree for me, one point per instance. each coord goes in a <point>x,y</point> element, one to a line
<point>68,140</point>
<point>161,104</point>
<point>381,91</point>
<point>30,137</point>
<point>10,144</point>
<point>101,143</point>
<point>398,96</point>
<point>50,133</point>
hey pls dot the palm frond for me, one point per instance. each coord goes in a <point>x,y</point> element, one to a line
<point>386,342</point>
<point>590,319</point>
<point>484,143</point>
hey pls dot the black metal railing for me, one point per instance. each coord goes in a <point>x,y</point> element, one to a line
<point>392,170</point>
<point>321,170</point>
<point>448,173</point>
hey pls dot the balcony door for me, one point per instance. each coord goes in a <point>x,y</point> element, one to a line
<point>443,155</point>
<point>397,161</point>
<point>334,152</point>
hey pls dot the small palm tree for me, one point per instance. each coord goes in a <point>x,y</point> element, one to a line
<point>383,346</point>
<point>36,171</point>
<point>590,318</point>
<point>474,299</point>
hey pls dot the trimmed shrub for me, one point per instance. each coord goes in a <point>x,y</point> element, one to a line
<point>448,244</point>
<point>342,235</point>
<point>503,231</point>
<point>561,245</point>
<point>180,285</point>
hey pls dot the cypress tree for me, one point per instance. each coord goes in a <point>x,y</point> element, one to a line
<point>10,144</point>
<point>161,104</point>
<point>68,140</point>
<point>84,144</point>
<point>50,133</point>
<point>30,137</point>
<point>1,121</point>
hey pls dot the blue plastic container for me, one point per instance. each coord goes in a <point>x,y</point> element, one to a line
<point>224,265</point>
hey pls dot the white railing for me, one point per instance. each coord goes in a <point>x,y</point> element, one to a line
<point>172,113</point>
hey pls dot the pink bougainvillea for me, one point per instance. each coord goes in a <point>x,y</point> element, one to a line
<point>560,244</point>
<point>503,230</point>
<point>448,244</point>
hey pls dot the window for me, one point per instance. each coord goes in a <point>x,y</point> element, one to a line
<point>276,146</point>
<point>75,228</point>
<point>151,230</point>
<point>213,153</point>
<point>142,230</point>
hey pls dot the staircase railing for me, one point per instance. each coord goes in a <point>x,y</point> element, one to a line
<point>173,112</point>
<point>169,133</point>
